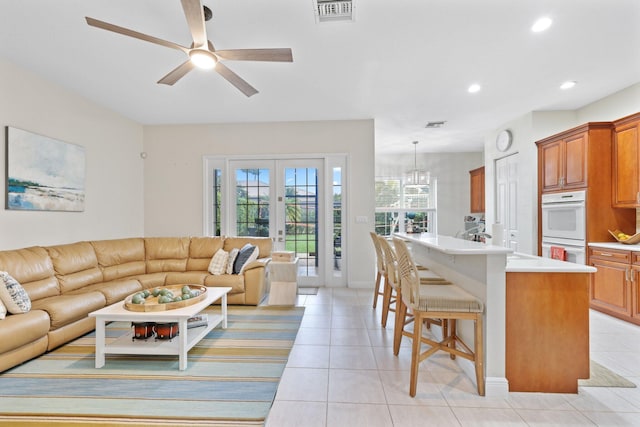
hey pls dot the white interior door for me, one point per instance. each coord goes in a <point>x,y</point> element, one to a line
<point>507,199</point>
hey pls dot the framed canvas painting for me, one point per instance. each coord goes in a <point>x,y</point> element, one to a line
<point>43,174</point>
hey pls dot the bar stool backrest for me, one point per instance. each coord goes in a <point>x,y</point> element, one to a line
<point>408,272</point>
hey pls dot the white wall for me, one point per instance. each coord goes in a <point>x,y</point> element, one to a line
<point>174,168</point>
<point>114,171</point>
<point>452,171</point>
<point>535,126</point>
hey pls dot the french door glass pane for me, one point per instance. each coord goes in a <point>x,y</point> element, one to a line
<point>301,219</point>
<point>337,220</point>
<point>252,202</point>
<point>217,201</point>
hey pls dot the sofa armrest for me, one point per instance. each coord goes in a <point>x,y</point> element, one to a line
<point>255,281</point>
<point>260,262</point>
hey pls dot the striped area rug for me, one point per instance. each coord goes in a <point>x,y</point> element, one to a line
<point>231,378</point>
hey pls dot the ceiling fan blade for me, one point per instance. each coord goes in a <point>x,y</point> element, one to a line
<point>127,32</point>
<point>177,73</point>
<point>195,19</point>
<point>276,55</point>
<point>235,80</point>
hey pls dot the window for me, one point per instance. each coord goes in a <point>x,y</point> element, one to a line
<point>405,208</point>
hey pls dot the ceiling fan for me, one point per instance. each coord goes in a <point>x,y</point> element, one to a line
<point>202,54</point>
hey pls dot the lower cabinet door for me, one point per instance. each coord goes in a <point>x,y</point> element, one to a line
<point>610,288</point>
<point>635,293</point>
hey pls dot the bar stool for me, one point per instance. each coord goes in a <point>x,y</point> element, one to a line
<point>392,279</point>
<point>449,302</point>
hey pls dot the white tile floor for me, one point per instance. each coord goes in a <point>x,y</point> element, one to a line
<point>342,373</point>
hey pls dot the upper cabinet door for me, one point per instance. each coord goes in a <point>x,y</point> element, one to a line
<point>550,157</point>
<point>575,164</point>
<point>477,190</point>
<point>626,172</point>
<point>563,163</point>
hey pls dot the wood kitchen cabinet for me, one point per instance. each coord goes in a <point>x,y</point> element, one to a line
<point>476,177</point>
<point>581,158</point>
<point>614,287</point>
<point>564,158</point>
<point>626,161</point>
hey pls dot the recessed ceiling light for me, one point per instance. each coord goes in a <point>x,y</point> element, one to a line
<point>541,24</point>
<point>568,84</point>
<point>474,88</point>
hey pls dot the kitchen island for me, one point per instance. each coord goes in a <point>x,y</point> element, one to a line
<point>536,312</point>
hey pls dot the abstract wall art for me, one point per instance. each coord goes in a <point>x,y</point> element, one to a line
<point>42,173</point>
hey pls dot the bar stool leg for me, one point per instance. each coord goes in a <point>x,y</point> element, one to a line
<point>376,289</point>
<point>479,354</point>
<point>398,328</point>
<point>415,354</point>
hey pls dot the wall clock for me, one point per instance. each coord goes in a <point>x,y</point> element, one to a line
<point>504,140</point>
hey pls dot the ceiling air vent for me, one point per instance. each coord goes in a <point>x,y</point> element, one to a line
<point>334,10</point>
<point>438,124</point>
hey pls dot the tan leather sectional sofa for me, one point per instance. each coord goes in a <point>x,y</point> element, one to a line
<point>67,282</point>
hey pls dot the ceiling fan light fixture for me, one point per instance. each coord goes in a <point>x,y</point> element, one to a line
<point>203,59</point>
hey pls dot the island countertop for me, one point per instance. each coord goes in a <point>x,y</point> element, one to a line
<point>452,245</point>
<point>516,261</point>
<point>524,263</point>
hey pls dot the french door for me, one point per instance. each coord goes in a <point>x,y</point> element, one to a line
<point>282,199</point>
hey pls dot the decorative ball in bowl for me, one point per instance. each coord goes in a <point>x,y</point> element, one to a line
<point>165,298</point>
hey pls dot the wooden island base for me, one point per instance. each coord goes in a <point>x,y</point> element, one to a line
<point>547,331</point>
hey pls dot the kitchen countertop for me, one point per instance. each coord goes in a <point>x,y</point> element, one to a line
<point>516,261</point>
<point>525,263</point>
<point>616,245</point>
<point>452,245</point>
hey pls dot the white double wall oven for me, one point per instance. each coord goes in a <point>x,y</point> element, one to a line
<point>564,224</point>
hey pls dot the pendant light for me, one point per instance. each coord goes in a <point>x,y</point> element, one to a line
<point>415,176</point>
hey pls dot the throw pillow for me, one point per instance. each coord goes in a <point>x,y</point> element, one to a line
<point>247,254</point>
<point>3,311</point>
<point>218,264</point>
<point>13,295</point>
<point>232,259</point>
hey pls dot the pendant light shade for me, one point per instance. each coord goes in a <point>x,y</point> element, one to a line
<point>416,176</point>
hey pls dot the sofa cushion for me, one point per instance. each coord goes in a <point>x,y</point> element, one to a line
<point>13,295</point>
<point>33,269</point>
<point>247,254</point>
<point>264,244</point>
<point>234,281</point>
<point>166,253</point>
<point>201,250</point>
<point>66,309</point>
<point>75,265</point>
<point>186,278</point>
<point>219,262</point>
<point>120,258</point>
<point>113,291</point>
<point>151,280</point>
<point>21,329</point>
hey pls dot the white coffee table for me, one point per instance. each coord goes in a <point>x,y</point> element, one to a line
<point>179,345</point>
